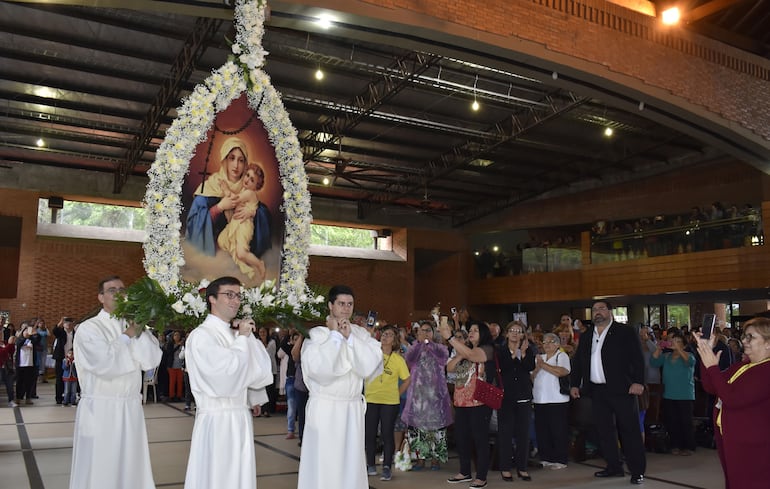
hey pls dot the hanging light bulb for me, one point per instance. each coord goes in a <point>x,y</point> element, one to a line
<point>608,132</point>
<point>40,143</point>
<point>319,75</point>
<point>475,105</point>
<point>325,181</point>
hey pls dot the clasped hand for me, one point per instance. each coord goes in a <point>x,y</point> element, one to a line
<point>340,325</point>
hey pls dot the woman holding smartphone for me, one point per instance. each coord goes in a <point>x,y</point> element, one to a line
<point>741,423</point>
<point>471,416</point>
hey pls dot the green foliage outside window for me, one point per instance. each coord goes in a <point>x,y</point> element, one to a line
<point>90,214</point>
<point>340,236</point>
<point>678,315</point>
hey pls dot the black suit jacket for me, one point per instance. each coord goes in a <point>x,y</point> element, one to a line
<point>61,339</point>
<point>621,357</point>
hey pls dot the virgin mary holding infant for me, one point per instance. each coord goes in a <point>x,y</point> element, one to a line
<point>222,199</point>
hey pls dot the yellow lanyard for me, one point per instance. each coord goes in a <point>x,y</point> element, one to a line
<point>734,377</point>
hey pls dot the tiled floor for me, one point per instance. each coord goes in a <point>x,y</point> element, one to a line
<point>36,446</point>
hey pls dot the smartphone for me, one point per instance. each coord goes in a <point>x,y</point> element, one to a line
<point>444,321</point>
<point>707,328</point>
<point>371,318</point>
<point>453,310</point>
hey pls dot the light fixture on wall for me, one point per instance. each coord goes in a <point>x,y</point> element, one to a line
<point>671,16</point>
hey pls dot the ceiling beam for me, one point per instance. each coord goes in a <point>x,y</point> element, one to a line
<point>170,89</point>
<point>710,8</point>
<point>377,92</point>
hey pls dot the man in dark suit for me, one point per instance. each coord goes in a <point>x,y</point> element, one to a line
<point>64,332</point>
<point>609,368</point>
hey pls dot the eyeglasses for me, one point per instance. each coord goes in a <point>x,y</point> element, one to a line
<point>748,338</point>
<point>515,331</point>
<point>549,341</point>
<point>115,290</point>
<point>231,295</point>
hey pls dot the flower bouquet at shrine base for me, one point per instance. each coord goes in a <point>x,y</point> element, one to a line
<point>145,302</point>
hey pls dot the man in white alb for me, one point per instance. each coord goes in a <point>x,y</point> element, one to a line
<point>110,442</point>
<point>228,371</point>
<point>336,360</point>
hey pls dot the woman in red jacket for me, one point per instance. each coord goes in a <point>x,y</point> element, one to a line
<point>742,424</point>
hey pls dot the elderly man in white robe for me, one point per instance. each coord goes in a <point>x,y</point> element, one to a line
<point>335,362</point>
<point>110,442</point>
<point>229,369</point>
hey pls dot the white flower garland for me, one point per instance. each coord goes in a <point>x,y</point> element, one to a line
<point>163,251</point>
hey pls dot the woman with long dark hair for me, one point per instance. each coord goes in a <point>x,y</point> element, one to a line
<point>470,364</point>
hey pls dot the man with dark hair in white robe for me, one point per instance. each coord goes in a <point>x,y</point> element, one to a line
<point>110,442</point>
<point>335,362</point>
<point>228,371</point>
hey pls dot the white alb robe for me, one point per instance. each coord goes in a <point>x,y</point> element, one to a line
<point>334,370</point>
<point>110,442</point>
<point>228,374</point>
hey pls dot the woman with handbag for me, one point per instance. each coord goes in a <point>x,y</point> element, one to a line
<point>471,416</point>
<point>516,360</point>
<point>551,398</point>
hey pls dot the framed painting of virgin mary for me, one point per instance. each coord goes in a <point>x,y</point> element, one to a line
<point>232,222</point>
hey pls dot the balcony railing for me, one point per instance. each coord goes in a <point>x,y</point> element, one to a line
<point>692,237</point>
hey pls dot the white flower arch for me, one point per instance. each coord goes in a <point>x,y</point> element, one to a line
<point>163,251</point>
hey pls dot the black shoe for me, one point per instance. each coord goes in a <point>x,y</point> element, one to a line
<point>637,479</point>
<point>523,477</point>
<point>609,473</point>
<point>464,478</point>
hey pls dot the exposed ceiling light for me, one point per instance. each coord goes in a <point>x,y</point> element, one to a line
<point>481,162</point>
<point>475,106</point>
<point>670,16</point>
<point>326,181</point>
<point>319,75</point>
<point>608,132</point>
<point>40,143</point>
<point>45,92</point>
<point>325,21</point>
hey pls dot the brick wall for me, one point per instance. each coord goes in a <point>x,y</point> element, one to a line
<point>594,41</point>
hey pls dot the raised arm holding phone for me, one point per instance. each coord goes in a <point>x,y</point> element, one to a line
<point>741,421</point>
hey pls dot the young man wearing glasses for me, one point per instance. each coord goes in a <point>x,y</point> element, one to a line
<point>110,442</point>
<point>228,370</point>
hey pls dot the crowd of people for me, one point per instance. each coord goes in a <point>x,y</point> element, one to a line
<point>353,387</point>
<point>711,227</point>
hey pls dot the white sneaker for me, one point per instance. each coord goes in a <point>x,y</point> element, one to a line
<point>12,404</point>
<point>557,466</point>
<point>545,463</point>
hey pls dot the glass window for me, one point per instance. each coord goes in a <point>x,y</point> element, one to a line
<point>94,215</point>
<point>343,237</point>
